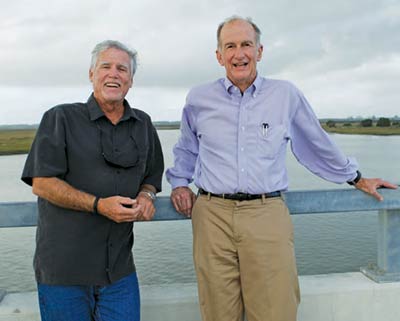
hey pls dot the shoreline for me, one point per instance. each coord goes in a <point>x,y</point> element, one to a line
<point>18,141</point>
<point>358,130</point>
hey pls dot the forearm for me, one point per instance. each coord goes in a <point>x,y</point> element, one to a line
<point>62,194</point>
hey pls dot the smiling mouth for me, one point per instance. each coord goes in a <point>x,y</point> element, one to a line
<point>112,85</point>
<point>240,64</point>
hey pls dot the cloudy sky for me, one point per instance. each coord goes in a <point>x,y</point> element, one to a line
<point>343,54</point>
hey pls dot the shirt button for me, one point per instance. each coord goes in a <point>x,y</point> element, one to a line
<point>242,170</point>
<point>107,270</point>
<point>118,172</point>
<point>254,95</point>
<point>110,245</point>
<point>243,128</point>
<point>242,149</point>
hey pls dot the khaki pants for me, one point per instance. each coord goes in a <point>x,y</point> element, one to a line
<point>244,260</point>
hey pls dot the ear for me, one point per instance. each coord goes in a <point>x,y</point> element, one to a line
<point>219,57</point>
<point>260,52</point>
<point>91,75</point>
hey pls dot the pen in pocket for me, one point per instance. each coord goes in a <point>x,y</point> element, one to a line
<point>264,127</point>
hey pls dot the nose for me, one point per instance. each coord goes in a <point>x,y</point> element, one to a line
<point>113,72</point>
<point>239,53</point>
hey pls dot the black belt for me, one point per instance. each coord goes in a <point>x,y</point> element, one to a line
<point>241,196</point>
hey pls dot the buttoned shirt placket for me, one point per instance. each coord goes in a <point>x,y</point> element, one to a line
<point>243,102</point>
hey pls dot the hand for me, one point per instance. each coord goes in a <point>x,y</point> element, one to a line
<point>147,205</point>
<point>183,199</point>
<point>370,185</point>
<point>120,209</point>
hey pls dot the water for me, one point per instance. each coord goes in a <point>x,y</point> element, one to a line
<point>162,250</point>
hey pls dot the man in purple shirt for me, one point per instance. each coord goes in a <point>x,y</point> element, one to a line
<point>234,133</point>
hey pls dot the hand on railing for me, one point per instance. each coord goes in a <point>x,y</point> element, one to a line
<point>183,200</point>
<point>370,186</point>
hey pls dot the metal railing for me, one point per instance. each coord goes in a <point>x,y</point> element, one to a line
<point>387,269</point>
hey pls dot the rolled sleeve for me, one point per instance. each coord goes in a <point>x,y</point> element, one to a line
<point>155,162</point>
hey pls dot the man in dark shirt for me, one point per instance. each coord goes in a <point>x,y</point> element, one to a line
<point>95,167</point>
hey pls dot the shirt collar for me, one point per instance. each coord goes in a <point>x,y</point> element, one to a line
<point>95,111</point>
<point>254,87</point>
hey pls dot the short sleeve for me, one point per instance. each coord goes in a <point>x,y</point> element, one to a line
<point>47,156</point>
<point>155,161</point>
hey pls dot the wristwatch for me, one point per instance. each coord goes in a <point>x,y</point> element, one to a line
<point>149,194</point>
<point>355,180</point>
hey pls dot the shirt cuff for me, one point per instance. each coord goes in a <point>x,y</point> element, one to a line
<point>179,182</point>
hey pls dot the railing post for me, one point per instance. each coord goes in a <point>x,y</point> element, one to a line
<point>388,267</point>
<point>2,294</point>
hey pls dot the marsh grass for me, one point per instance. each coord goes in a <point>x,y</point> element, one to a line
<point>358,130</point>
<point>16,141</point>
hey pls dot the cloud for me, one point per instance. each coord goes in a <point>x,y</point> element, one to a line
<point>49,43</point>
<point>368,89</point>
<point>55,39</point>
<point>339,42</point>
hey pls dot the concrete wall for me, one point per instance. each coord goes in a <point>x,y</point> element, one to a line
<point>330,297</point>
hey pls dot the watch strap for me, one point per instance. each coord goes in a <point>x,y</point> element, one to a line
<point>356,179</point>
<point>150,194</point>
<point>95,204</point>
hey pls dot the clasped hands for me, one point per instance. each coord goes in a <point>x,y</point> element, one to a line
<point>124,209</point>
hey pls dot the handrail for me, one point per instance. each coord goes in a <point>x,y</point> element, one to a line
<point>20,214</point>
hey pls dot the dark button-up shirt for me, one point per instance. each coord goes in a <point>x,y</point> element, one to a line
<point>78,144</point>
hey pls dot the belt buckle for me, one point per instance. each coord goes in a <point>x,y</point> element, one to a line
<point>242,196</point>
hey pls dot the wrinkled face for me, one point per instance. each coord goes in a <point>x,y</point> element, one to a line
<point>111,77</point>
<point>239,53</point>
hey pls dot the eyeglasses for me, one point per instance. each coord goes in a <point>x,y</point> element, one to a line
<point>125,157</point>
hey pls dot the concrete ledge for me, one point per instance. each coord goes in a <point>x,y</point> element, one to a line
<point>20,307</point>
<point>330,297</point>
<point>348,297</point>
<point>170,303</point>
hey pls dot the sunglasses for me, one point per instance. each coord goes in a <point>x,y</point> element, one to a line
<point>126,156</point>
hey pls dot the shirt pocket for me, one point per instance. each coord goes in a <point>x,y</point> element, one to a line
<point>270,139</point>
<point>139,151</point>
<point>127,155</point>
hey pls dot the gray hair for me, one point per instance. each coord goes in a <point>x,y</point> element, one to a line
<point>236,18</point>
<point>107,44</point>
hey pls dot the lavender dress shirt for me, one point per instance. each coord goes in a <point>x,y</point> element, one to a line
<point>234,143</point>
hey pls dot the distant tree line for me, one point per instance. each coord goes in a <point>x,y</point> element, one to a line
<point>381,122</point>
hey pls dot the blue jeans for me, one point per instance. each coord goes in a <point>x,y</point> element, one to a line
<point>119,301</point>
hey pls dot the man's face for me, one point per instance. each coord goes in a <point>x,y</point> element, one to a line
<point>111,77</point>
<point>239,53</point>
